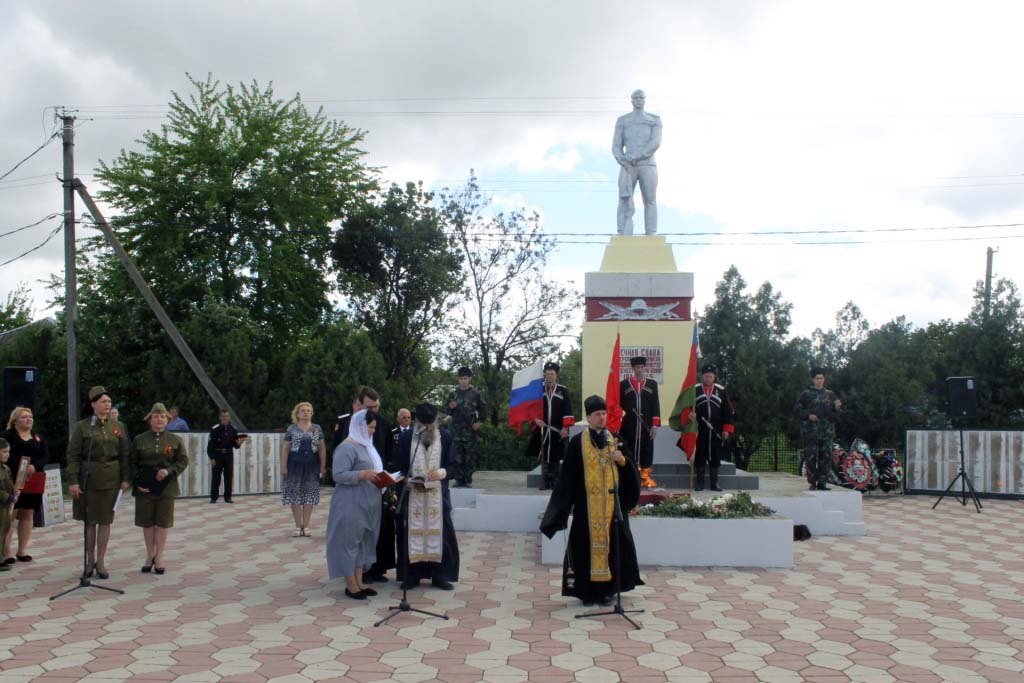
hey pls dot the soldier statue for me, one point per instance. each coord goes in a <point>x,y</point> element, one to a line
<point>637,137</point>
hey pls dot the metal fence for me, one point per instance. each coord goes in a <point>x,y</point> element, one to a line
<point>778,454</point>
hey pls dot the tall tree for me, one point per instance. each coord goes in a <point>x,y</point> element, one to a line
<point>401,273</point>
<point>233,198</point>
<point>883,383</point>
<point>512,314</point>
<point>745,336</point>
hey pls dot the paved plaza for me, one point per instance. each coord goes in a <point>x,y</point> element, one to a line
<point>924,597</point>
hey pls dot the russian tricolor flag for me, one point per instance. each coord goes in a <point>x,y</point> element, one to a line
<point>527,402</point>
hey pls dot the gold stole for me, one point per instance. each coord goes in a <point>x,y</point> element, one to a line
<point>425,506</point>
<point>600,504</point>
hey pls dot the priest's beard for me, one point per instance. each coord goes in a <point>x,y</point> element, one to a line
<point>427,435</point>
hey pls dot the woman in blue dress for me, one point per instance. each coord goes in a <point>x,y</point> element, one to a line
<point>303,463</point>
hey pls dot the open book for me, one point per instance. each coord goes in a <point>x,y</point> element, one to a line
<point>385,479</point>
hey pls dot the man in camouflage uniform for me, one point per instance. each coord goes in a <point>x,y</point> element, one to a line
<point>818,409</point>
<point>466,415</point>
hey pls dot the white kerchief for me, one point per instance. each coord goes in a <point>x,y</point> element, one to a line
<point>360,433</point>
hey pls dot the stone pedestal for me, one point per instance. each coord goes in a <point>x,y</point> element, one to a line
<point>639,293</point>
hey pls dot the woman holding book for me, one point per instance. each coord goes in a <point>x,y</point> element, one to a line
<point>303,464</point>
<point>157,458</point>
<point>354,519</point>
<point>25,444</point>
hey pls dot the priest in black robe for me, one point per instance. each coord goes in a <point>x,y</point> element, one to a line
<point>594,465</point>
<point>427,452</point>
<point>641,417</point>
<point>550,432</point>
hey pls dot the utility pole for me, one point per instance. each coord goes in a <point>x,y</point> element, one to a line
<point>70,272</point>
<point>988,282</point>
<point>156,307</point>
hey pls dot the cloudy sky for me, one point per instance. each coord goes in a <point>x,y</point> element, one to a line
<point>779,117</point>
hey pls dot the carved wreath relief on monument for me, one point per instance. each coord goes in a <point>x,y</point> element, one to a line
<point>639,310</point>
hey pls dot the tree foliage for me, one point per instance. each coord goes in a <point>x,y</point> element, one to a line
<point>513,312</point>
<point>745,336</point>
<point>401,273</point>
<point>17,310</point>
<point>233,198</point>
<point>834,347</point>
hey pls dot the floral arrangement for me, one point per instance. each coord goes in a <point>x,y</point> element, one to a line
<point>725,506</point>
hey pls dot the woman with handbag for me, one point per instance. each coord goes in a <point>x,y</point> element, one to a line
<point>157,458</point>
<point>303,464</point>
<point>25,444</point>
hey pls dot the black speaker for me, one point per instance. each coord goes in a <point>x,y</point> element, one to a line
<point>19,389</point>
<point>962,401</point>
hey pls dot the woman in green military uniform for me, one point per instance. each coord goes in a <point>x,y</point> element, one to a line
<point>103,443</point>
<point>158,457</point>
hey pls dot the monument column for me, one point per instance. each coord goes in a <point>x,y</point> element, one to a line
<point>639,293</point>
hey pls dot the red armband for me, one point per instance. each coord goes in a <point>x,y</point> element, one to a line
<point>656,421</point>
<point>568,421</point>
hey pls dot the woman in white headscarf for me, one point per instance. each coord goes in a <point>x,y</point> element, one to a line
<point>355,507</point>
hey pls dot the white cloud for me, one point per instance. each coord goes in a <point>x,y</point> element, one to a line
<point>778,115</point>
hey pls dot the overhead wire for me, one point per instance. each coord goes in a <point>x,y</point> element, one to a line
<point>715,239</point>
<point>35,248</point>
<point>35,152</point>
<point>42,220</point>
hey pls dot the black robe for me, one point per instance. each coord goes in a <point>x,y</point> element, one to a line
<point>549,446</point>
<point>448,568</point>
<point>714,408</point>
<point>639,413</point>
<point>570,498</point>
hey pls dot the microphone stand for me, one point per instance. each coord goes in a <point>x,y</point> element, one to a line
<point>403,502</point>
<point>617,574</point>
<point>84,581</point>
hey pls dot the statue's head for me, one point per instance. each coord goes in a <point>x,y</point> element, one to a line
<point>638,98</point>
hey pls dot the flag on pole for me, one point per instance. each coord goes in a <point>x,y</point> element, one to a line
<point>686,403</point>
<point>527,401</point>
<point>611,390</point>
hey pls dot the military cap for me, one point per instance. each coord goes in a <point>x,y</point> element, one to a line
<point>96,392</point>
<point>157,409</point>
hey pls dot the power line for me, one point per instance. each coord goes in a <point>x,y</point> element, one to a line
<point>35,248</point>
<point>37,150</point>
<point>32,225</point>
<point>565,238</point>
